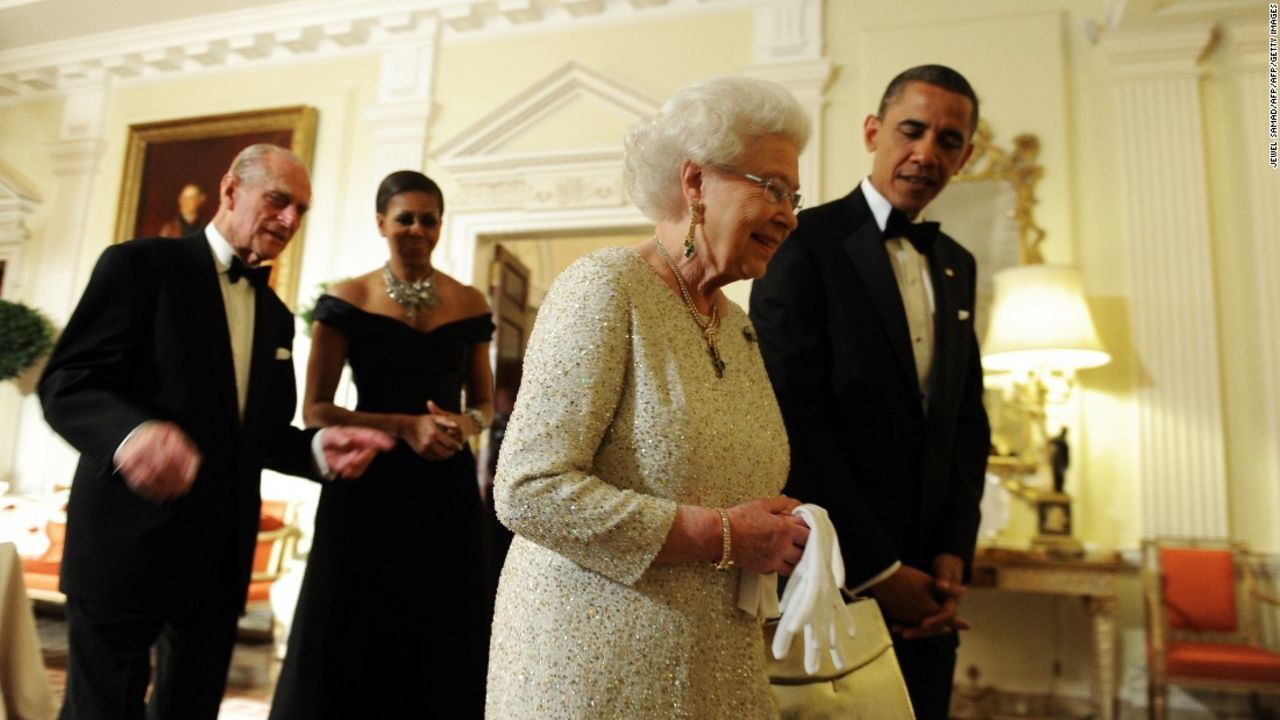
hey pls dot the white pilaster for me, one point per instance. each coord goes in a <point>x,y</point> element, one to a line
<point>789,51</point>
<point>1264,190</point>
<point>41,459</point>
<point>398,122</point>
<point>1182,467</point>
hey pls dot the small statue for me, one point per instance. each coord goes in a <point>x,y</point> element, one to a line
<point>1059,459</point>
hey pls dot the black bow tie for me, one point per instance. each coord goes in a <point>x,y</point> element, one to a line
<point>258,276</point>
<point>921,235</point>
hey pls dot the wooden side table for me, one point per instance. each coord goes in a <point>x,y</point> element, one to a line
<point>1092,578</point>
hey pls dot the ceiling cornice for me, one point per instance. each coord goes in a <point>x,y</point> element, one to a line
<point>302,31</point>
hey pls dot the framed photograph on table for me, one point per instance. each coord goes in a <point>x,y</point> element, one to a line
<point>173,168</point>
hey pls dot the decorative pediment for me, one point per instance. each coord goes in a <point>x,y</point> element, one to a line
<point>556,144</point>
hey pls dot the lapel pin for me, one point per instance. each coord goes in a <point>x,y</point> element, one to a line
<point>949,272</point>
<point>964,315</point>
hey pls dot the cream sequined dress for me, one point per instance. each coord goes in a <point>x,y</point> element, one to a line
<point>621,417</point>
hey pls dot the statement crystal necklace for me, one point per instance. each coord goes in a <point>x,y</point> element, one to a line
<point>710,326</point>
<point>414,296</point>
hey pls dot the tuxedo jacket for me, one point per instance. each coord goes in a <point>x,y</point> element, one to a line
<point>149,341</point>
<point>899,484</point>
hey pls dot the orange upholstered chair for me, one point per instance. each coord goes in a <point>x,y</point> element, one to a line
<point>1202,621</point>
<point>41,574</point>
<point>277,535</point>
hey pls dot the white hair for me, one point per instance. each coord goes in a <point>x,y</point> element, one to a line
<point>250,164</point>
<point>711,122</point>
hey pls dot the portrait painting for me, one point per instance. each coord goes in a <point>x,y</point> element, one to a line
<point>173,169</point>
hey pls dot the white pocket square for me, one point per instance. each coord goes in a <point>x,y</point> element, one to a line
<point>964,315</point>
<point>284,354</point>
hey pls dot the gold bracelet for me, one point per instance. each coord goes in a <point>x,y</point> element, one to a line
<point>726,547</point>
<point>477,417</point>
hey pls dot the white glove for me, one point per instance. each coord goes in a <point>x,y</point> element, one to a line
<point>813,600</point>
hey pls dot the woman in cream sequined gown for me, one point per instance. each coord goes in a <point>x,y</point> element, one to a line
<point>633,444</point>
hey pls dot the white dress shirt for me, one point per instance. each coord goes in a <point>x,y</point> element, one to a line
<point>238,299</point>
<point>911,270</point>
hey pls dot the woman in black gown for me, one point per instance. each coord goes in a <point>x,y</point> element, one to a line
<point>392,617</point>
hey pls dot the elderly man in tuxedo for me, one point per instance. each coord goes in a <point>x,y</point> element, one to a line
<point>865,321</point>
<point>174,380</point>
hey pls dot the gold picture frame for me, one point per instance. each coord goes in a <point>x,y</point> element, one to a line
<point>163,159</point>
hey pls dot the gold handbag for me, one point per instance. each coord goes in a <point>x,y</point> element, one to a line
<point>870,686</point>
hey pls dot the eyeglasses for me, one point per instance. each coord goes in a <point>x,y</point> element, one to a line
<point>775,189</point>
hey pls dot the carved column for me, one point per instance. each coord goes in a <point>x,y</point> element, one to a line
<point>789,51</point>
<point>1182,467</point>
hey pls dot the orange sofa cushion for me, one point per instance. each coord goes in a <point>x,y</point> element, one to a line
<point>1217,661</point>
<point>1199,589</point>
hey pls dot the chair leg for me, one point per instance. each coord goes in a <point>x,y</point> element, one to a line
<point>1156,708</point>
<point>1256,710</point>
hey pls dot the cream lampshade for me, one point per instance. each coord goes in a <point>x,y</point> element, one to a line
<point>1041,331</point>
<point>1040,323</point>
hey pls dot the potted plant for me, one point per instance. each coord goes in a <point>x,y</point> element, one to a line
<point>25,335</point>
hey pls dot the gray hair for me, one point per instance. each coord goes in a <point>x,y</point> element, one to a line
<point>250,166</point>
<point>709,123</point>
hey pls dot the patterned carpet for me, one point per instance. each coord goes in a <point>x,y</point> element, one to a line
<point>250,682</point>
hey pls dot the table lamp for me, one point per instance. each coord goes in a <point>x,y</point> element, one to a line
<point>1041,332</point>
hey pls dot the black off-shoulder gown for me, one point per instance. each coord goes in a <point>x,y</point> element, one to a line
<point>392,617</point>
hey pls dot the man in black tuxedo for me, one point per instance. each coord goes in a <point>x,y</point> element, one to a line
<point>175,382</point>
<point>865,322</point>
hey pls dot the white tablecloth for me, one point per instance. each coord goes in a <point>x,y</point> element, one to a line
<point>24,687</point>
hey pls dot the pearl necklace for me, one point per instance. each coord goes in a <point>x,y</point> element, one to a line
<point>414,296</point>
<point>711,325</point>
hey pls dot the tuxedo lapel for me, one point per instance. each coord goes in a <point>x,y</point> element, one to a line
<point>200,291</point>
<point>865,247</point>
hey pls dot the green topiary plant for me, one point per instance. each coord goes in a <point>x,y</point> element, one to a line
<point>25,335</point>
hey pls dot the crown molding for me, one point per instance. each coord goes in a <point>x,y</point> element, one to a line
<point>305,30</point>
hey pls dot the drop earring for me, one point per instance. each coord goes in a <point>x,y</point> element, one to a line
<point>695,217</point>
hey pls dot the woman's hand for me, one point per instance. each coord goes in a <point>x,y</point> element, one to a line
<point>765,536</point>
<point>433,436</point>
<point>463,426</point>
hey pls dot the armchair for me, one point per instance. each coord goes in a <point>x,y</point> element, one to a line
<point>277,535</point>
<point>41,574</point>
<point>1202,621</point>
